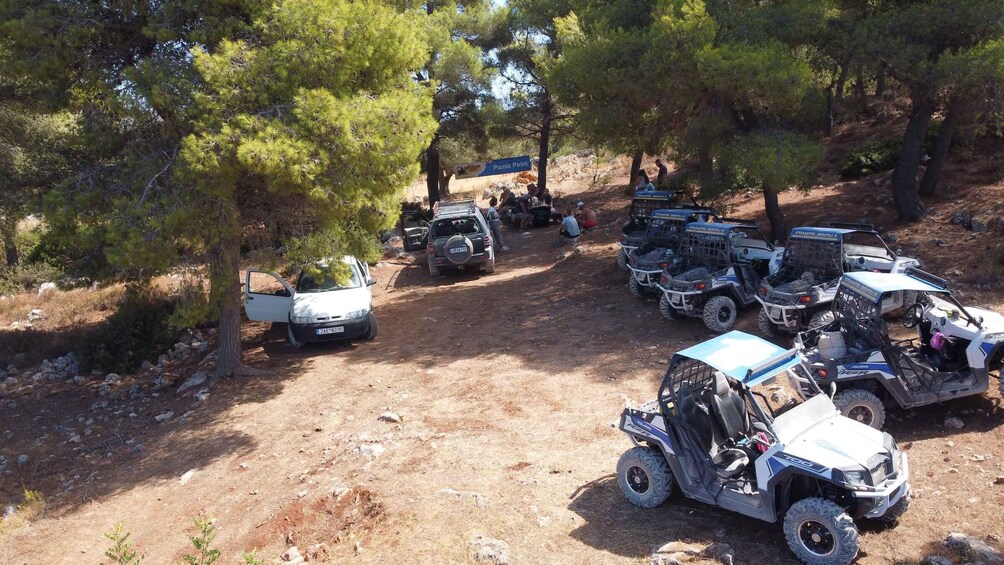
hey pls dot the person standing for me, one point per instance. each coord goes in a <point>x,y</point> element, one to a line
<point>663,173</point>
<point>495,224</point>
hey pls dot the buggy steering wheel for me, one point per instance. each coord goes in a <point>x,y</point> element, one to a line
<point>914,315</point>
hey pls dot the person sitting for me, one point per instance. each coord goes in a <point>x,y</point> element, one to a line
<point>507,201</point>
<point>545,196</point>
<point>523,218</point>
<point>569,228</point>
<point>643,182</point>
<point>586,216</point>
<point>532,190</point>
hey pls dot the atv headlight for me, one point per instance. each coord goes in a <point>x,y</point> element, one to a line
<point>356,314</point>
<point>300,319</point>
<point>856,478</point>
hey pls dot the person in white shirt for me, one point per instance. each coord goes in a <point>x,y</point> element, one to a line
<point>495,224</point>
<point>569,228</point>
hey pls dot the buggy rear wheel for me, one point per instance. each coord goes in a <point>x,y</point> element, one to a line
<point>667,309</point>
<point>862,406</point>
<point>635,287</point>
<point>820,533</point>
<point>644,477</point>
<point>622,260</point>
<point>766,326</point>
<point>720,314</point>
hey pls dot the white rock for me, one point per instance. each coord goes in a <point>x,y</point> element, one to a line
<point>36,314</point>
<point>202,395</point>
<point>489,550</point>
<point>113,378</point>
<point>371,450</point>
<point>339,492</point>
<point>390,417</point>
<point>954,423</point>
<point>46,287</point>
<point>187,476</point>
<point>195,380</point>
<point>164,417</point>
<point>292,555</point>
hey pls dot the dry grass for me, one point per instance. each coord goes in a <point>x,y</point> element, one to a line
<point>32,507</point>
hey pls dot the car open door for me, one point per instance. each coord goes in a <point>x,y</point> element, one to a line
<point>267,297</point>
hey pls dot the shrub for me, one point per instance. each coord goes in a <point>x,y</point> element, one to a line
<point>26,276</point>
<point>871,158</point>
<point>121,552</point>
<point>202,542</point>
<point>140,329</point>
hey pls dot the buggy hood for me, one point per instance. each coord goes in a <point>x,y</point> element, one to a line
<point>743,357</point>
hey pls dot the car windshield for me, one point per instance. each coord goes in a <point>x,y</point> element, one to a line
<point>325,283</point>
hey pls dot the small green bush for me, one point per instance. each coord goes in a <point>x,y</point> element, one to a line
<point>26,277</point>
<point>121,552</point>
<point>204,554</point>
<point>140,329</point>
<point>871,158</point>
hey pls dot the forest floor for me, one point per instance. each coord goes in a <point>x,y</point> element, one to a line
<point>506,386</point>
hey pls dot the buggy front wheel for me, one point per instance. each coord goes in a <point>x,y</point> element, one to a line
<point>819,532</point>
<point>622,260</point>
<point>667,310</point>
<point>862,406</point>
<point>720,314</point>
<point>644,477</point>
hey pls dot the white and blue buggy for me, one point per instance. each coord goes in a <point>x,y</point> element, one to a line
<point>799,294</point>
<point>720,272</point>
<point>643,204</point>
<point>665,231</point>
<point>947,350</point>
<point>709,434</point>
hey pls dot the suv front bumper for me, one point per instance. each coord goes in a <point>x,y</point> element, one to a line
<point>351,329</point>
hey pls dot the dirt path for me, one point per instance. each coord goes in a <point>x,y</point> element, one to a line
<point>507,386</point>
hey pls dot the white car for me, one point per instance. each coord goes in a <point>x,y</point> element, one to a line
<point>317,309</point>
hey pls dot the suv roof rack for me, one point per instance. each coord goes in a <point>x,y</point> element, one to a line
<point>850,226</point>
<point>456,207</point>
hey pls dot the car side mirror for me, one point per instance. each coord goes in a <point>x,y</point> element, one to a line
<point>371,281</point>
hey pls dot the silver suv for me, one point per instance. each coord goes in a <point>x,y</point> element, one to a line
<point>459,239</point>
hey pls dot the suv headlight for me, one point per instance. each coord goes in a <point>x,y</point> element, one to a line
<point>356,314</point>
<point>300,319</point>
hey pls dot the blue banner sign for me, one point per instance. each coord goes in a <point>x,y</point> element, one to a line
<point>496,167</point>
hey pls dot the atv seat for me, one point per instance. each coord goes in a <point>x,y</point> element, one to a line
<point>728,462</point>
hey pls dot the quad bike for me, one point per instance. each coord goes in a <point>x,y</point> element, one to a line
<point>665,230</point>
<point>724,264</point>
<point>952,355</point>
<point>708,434</point>
<point>799,295</point>
<point>643,205</point>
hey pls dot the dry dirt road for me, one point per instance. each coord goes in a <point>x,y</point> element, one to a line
<point>507,386</point>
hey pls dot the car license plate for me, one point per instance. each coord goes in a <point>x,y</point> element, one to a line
<point>458,249</point>
<point>334,330</point>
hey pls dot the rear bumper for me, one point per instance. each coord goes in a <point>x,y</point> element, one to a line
<point>644,277</point>
<point>474,261</point>
<point>352,329</point>
<point>789,316</point>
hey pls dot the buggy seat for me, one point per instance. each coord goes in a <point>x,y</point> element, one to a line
<point>716,419</point>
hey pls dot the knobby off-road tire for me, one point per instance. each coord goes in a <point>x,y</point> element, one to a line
<point>635,287</point>
<point>667,310</point>
<point>371,335</point>
<point>622,260</point>
<point>767,327</point>
<point>297,344</point>
<point>644,477</point>
<point>821,318</point>
<point>820,533</point>
<point>862,406</point>
<point>893,514</point>
<point>720,314</point>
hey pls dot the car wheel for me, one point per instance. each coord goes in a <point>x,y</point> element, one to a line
<point>862,406</point>
<point>821,318</point>
<point>622,260</point>
<point>667,310</point>
<point>767,327</point>
<point>297,344</point>
<point>371,335</point>
<point>720,314</point>
<point>821,533</point>
<point>644,477</point>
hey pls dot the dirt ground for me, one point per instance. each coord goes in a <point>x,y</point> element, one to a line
<point>507,386</point>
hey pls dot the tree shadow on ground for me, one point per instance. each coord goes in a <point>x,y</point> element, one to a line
<point>614,525</point>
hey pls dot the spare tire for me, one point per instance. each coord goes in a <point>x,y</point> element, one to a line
<point>458,249</point>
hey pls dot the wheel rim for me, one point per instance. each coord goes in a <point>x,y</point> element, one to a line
<point>816,537</point>
<point>637,479</point>
<point>724,314</point>
<point>862,414</point>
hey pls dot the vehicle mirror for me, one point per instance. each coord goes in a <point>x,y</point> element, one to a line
<point>371,281</point>
<point>833,390</point>
<point>761,427</point>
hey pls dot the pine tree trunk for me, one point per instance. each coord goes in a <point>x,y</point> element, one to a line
<point>838,90</point>
<point>225,292</point>
<point>880,78</point>
<point>544,148</point>
<point>904,193</point>
<point>8,232</point>
<point>635,167</point>
<point>431,171</point>
<point>859,89</point>
<point>778,232</point>
<point>828,115</point>
<point>942,146</point>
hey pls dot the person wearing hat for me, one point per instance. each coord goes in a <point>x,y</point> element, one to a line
<point>586,216</point>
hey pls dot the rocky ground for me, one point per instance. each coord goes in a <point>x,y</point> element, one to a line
<point>476,428</point>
